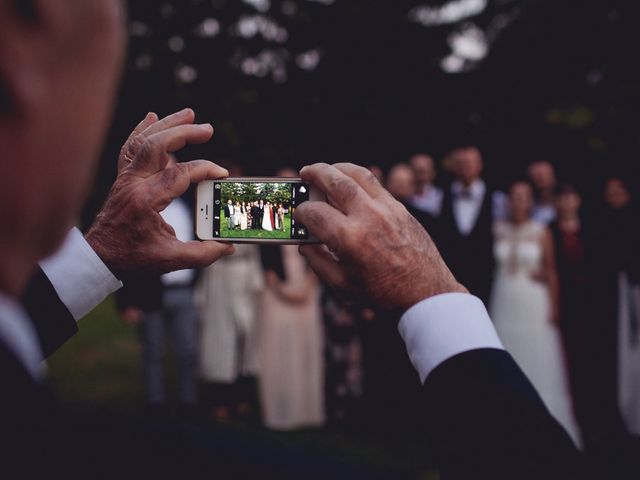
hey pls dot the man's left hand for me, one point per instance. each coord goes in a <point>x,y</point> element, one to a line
<point>129,234</point>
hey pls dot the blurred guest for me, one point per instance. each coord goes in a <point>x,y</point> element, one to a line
<point>618,277</point>
<point>291,342</point>
<point>401,184</point>
<point>378,172</point>
<point>387,373</point>
<point>543,177</point>
<point>464,234</point>
<point>291,338</point>
<point>343,384</point>
<point>227,296</point>
<point>573,250</point>
<point>427,196</point>
<point>158,303</point>
<point>524,304</point>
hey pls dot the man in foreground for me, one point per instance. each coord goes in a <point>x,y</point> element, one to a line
<point>487,421</point>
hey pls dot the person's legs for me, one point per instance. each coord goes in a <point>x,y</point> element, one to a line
<point>185,341</point>
<point>152,340</point>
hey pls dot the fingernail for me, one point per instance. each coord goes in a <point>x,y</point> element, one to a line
<point>206,126</point>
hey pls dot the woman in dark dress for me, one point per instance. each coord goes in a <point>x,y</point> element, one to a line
<point>576,313</point>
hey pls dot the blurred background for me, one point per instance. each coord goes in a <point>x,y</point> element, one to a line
<point>290,82</point>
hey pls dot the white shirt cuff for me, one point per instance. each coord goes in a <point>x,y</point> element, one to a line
<point>443,326</point>
<point>78,276</point>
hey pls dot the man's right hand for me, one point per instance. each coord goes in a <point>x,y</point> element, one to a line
<point>373,248</point>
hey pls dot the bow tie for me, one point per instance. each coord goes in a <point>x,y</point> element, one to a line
<point>465,193</point>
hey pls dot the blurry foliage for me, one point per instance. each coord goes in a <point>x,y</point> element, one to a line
<point>288,82</point>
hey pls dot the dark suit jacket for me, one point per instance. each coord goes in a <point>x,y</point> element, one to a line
<point>470,257</point>
<point>486,422</point>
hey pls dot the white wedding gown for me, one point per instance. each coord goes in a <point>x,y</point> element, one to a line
<point>266,219</point>
<point>521,311</point>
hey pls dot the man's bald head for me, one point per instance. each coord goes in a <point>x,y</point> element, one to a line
<point>467,164</point>
<point>401,182</point>
<point>542,175</point>
<point>423,169</point>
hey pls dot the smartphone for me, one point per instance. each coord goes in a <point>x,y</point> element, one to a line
<point>253,210</point>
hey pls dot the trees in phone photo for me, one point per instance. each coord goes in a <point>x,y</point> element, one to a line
<point>275,193</point>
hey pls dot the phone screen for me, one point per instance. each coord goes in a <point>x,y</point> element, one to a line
<point>258,210</point>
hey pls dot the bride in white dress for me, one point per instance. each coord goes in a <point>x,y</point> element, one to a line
<point>523,305</point>
<point>266,218</point>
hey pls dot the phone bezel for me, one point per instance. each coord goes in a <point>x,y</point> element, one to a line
<point>204,210</point>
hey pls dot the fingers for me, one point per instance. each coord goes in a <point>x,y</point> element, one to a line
<point>342,191</point>
<point>126,155</point>
<point>323,221</point>
<point>150,126</point>
<point>367,180</point>
<point>175,180</point>
<point>183,117</point>
<point>323,263</point>
<point>196,254</point>
<point>152,156</point>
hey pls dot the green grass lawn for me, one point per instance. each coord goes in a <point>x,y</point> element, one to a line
<point>257,233</point>
<point>99,368</point>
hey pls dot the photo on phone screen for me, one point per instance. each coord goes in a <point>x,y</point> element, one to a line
<point>258,210</point>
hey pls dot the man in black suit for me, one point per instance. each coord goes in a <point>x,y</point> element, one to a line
<point>228,213</point>
<point>464,234</point>
<point>255,215</point>
<point>487,421</point>
<point>260,213</point>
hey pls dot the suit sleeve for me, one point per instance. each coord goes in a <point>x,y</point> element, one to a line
<point>51,318</point>
<point>66,287</point>
<point>485,419</point>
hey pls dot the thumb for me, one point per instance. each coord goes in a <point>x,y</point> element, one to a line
<point>197,254</point>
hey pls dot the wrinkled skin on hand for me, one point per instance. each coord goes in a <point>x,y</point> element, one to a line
<point>374,250</point>
<point>129,234</point>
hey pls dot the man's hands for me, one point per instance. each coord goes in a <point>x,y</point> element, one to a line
<point>129,234</point>
<point>373,248</point>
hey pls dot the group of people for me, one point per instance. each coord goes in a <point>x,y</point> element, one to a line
<point>558,274</point>
<point>255,215</point>
<point>486,419</point>
<point>273,341</point>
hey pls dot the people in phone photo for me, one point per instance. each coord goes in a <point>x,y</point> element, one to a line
<point>266,218</point>
<point>228,213</point>
<point>281,213</point>
<point>243,216</point>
